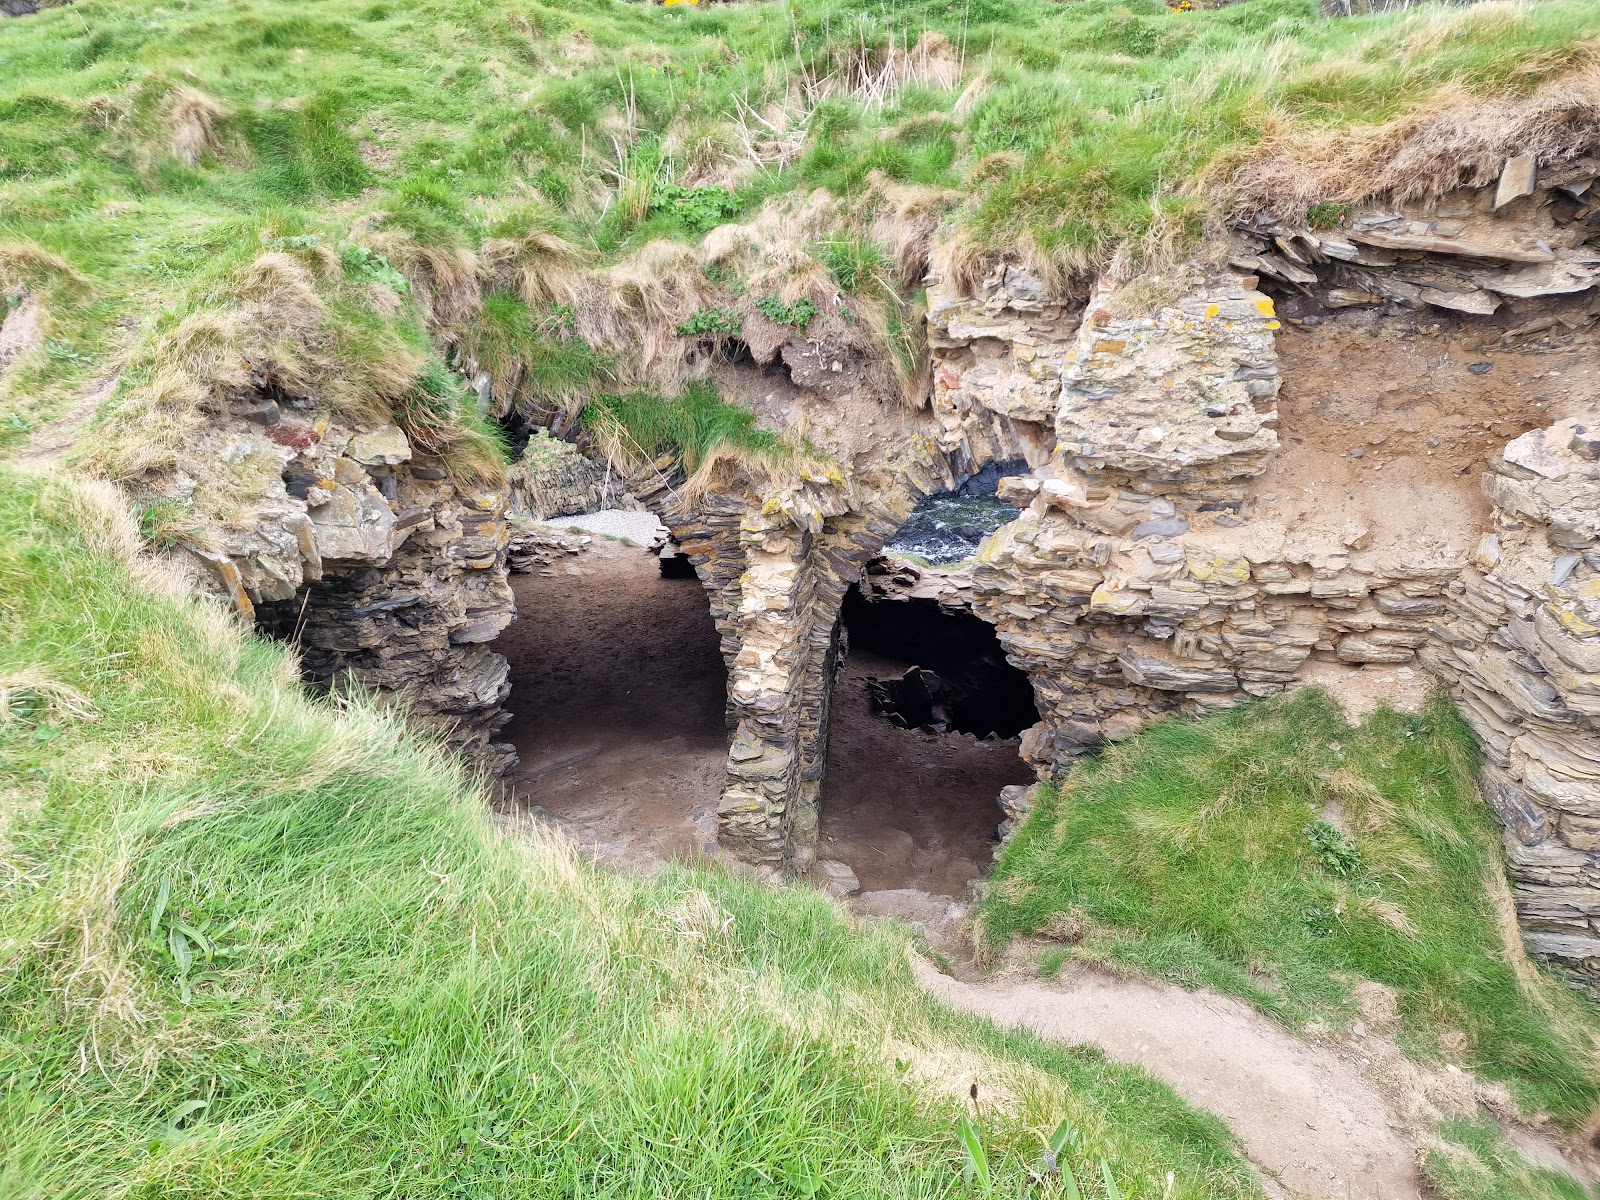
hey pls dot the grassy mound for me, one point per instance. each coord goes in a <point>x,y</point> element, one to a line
<point>203,197</point>
<point>1277,853</point>
<point>256,946</point>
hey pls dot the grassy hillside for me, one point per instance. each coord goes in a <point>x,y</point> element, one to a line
<point>1280,854</point>
<point>216,194</point>
<point>252,945</point>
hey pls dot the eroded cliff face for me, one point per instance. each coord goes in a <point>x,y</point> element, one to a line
<point>385,570</point>
<point>1363,450</point>
<point>1239,499</point>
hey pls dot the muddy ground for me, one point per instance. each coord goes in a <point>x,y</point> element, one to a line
<point>617,690</point>
<point>906,809</point>
<point>618,695</point>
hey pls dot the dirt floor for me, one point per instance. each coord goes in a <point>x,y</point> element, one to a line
<point>905,809</point>
<point>618,694</point>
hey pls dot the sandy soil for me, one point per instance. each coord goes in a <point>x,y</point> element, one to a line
<point>618,695</point>
<point>1307,1119</point>
<point>1320,1120</point>
<point>1362,690</point>
<point>618,691</point>
<point>907,810</point>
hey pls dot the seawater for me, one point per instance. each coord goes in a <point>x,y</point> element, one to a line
<point>947,528</point>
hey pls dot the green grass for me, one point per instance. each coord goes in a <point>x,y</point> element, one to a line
<point>257,945</point>
<point>1475,1160</point>
<point>689,426</point>
<point>1201,851</point>
<point>158,155</point>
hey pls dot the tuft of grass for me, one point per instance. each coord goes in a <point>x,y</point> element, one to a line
<point>260,942</point>
<point>440,417</point>
<point>639,427</point>
<point>1474,1160</point>
<point>1204,852</point>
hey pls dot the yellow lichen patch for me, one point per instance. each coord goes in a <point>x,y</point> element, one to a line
<point>1115,601</point>
<point>1274,325</point>
<point>1213,310</point>
<point>1220,568</point>
<point>1264,307</point>
<point>1567,614</point>
<point>1110,346</point>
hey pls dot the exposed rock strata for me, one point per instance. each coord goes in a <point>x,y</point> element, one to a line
<point>1206,528</point>
<point>384,570</point>
<point>552,479</point>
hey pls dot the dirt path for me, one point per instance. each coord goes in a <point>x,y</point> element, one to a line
<point>1308,1119</point>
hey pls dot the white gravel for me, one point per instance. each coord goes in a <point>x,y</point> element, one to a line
<point>636,528</point>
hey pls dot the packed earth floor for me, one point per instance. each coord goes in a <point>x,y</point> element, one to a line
<point>618,694</point>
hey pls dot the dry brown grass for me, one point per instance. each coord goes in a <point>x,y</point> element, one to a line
<point>31,694</point>
<point>25,264</point>
<point>725,467</point>
<point>541,267</point>
<point>873,76</point>
<point>633,308</point>
<point>274,328</point>
<point>444,279</point>
<point>904,222</point>
<point>191,118</point>
<point>1455,140</point>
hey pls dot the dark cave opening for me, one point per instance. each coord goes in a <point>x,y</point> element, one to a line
<point>957,679</point>
<point>618,701</point>
<point>910,792</point>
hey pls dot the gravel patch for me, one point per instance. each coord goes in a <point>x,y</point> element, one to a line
<point>635,528</point>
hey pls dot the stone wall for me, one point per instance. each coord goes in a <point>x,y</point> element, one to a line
<point>777,564</point>
<point>1209,526</point>
<point>384,570</point>
<point>1520,640</point>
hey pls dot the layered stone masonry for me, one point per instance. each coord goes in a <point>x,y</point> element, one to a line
<point>1146,574</point>
<point>777,564</point>
<point>385,571</point>
<point>1520,640</point>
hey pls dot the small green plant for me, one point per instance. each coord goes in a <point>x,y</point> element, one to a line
<point>855,263</point>
<point>974,1158</point>
<point>165,523</point>
<point>797,315</point>
<point>66,353</point>
<point>723,276</point>
<point>300,241</point>
<point>1334,850</point>
<point>699,208</point>
<point>1327,214</point>
<point>366,266</point>
<point>1054,1164</point>
<point>710,321</point>
<point>181,941</point>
